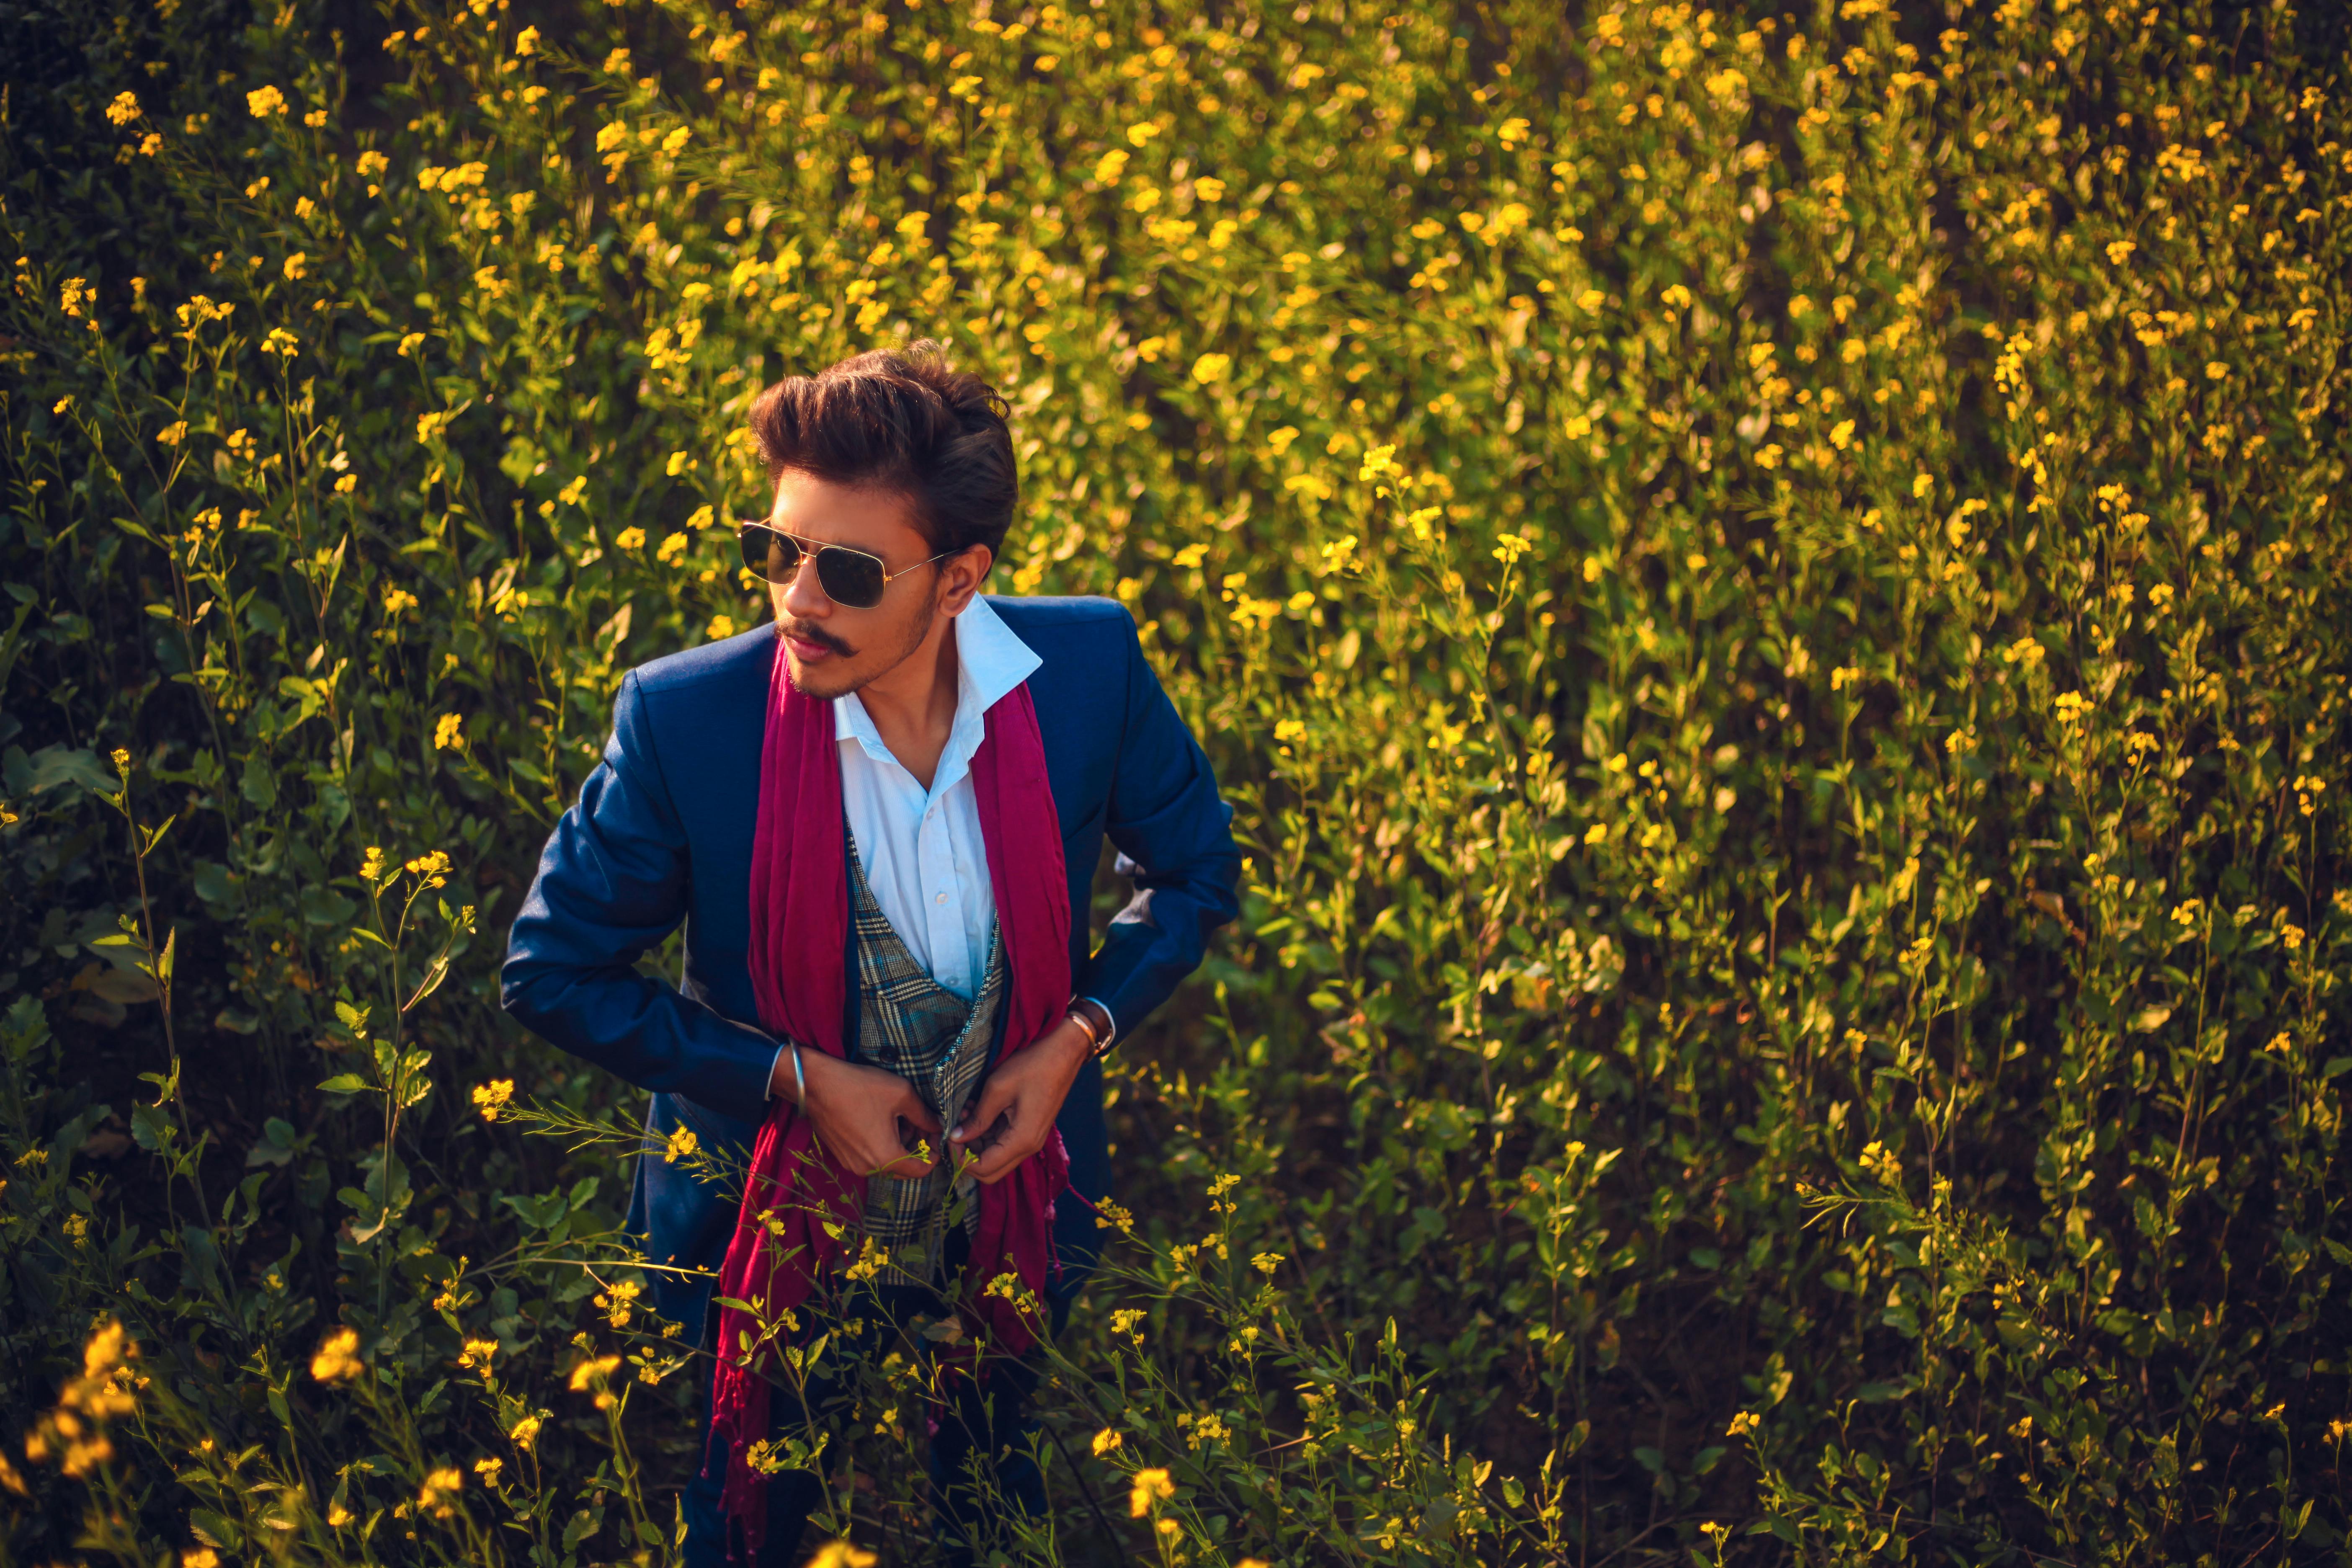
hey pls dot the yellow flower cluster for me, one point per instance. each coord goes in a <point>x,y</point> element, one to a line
<point>490,1097</point>
<point>337,1359</point>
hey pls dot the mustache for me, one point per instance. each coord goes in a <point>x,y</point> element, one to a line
<point>809,631</point>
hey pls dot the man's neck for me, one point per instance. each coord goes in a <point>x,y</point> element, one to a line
<point>913,704</point>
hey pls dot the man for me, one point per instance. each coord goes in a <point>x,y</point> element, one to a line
<point>851,905</point>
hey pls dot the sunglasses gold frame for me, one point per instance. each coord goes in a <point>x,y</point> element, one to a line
<point>819,551</point>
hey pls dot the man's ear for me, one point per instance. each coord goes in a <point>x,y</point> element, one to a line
<point>961,576</point>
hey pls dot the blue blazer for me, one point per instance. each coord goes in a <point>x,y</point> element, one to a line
<point>662,834</point>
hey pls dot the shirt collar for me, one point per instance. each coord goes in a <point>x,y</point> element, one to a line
<point>989,663</point>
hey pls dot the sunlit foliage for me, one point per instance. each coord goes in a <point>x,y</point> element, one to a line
<point>1768,588</point>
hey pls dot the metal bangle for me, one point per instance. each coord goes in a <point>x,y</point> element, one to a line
<point>1097,1041</point>
<point>800,1084</point>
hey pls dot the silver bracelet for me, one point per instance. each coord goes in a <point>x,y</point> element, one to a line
<point>800,1084</point>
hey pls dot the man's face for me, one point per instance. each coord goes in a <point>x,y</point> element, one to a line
<point>832,648</point>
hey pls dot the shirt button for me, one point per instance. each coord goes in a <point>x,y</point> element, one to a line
<point>942,899</point>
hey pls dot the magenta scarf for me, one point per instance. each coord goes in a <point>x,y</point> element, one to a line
<point>801,1212</point>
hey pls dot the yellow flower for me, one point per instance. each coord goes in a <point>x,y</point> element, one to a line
<point>489,1096</point>
<point>2119,251</point>
<point>448,732</point>
<point>1267,1262</point>
<point>1882,1162</point>
<point>371,164</point>
<point>338,1358</point>
<point>264,101</point>
<point>123,110</point>
<point>172,435</point>
<point>672,548</point>
<point>1106,1441</point>
<point>682,1144</point>
<point>630,538</point>
<point>199,1557</point>
<point>1743,1422</point>
<point>524,1433</point>
<point>488,1468</point>
<point>1150,1486</point>
<point>371,864</point>
<point>477,1355</point>
<point>439,1486</point>
<point>1210,369</point>
<point>842,1555</point>
<point>527,41</point>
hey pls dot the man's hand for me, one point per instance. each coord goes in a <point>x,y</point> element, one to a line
<point>865,1119</point>
<point>1018,1102</point>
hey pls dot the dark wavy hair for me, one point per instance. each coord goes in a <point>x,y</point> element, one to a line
<point>902,420</point>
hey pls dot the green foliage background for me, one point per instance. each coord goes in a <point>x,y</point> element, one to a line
<point>1769,589</point>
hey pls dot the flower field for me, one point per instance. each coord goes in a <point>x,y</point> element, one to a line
<point>1768,587</point>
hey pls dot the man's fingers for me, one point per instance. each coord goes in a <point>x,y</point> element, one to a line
<point>995,1098</point>
<point>912,1107</point>
<point>1002,1159</point>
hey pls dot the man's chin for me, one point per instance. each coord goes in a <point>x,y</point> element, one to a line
<point>823,680</point>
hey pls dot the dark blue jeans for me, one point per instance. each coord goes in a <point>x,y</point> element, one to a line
<point>990,1420</point>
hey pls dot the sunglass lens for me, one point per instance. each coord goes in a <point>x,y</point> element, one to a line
<point>850,577</point>
<point>771,554</point>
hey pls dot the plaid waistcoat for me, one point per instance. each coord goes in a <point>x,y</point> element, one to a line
<point>908,1024</point>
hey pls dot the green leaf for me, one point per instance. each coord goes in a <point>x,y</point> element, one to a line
<point>257,785</point>
<point>63,767</point>
<point>214,882</point>
<point>346,1083</point>
<point>214,1530</point>
<point>322,906</point>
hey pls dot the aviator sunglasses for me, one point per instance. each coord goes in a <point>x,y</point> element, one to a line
<point>851,578</point>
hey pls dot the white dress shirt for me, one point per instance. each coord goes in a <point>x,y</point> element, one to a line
<point>922,850</point>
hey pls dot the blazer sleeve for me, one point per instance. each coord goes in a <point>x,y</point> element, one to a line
<point>1175,834</point>
<point>614,881</point>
